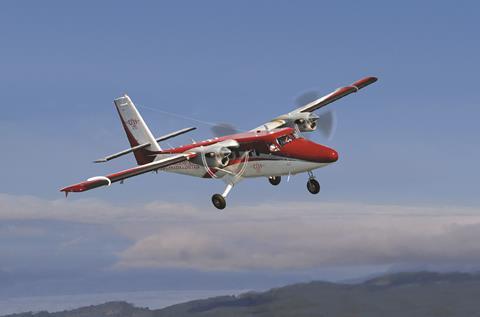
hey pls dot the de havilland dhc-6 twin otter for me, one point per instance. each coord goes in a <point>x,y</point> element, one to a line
<point>271,150</point>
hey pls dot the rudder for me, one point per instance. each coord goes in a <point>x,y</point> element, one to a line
<point>137,130</point>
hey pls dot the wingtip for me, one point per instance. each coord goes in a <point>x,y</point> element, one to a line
<point>369,79</point>
<point>359,84</point>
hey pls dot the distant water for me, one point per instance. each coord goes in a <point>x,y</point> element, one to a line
<point>150,299</point>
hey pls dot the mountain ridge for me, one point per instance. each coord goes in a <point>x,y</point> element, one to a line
<point>396,294</point>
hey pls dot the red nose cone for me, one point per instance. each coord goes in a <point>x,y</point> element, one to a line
<point>307,150</point>
<point>333,156</point>
<point>325,154</point>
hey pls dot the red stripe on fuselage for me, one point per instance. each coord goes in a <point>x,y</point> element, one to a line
<point>299,148</point>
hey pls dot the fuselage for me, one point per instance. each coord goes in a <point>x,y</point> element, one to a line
<point>260,154</point>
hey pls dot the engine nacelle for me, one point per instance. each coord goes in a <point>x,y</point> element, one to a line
<point>306,121</point>
<point>219,158</point>
<point>215,155</point>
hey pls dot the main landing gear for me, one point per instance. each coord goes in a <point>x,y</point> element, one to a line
<point>219,200</point>
<point>275,180</point>
<point>312,185</point>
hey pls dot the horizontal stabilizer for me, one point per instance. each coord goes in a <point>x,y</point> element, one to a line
<point>144,145</point>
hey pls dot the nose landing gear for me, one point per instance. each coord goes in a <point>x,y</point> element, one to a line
<point>312,185</point>
<point>219,200</point>
<point>275,180</point>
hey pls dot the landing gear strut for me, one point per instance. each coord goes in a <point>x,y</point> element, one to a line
<point>219,200</point>
<point>275,180</point>
<point>312,185</point>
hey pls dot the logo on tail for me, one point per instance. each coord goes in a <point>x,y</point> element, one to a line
<point>133,123</point>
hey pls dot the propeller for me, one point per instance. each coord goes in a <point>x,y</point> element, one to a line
<point>223,129</point>
<point>306,97</point>
<point>327,121</point>
<point>218,129</point>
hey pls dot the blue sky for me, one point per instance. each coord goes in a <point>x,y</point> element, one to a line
<point>412,134</point>
<point>408,141</point>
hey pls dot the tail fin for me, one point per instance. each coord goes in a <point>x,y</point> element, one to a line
<point>136,130</point>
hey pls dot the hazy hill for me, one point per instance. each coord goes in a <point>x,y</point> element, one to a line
<point>404,294</point>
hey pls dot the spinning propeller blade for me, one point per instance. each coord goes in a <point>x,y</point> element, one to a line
<point>218,129</point>
<point>306,98</point>
<point>327,124</point>
<point>327,120</point>
<point>223,129</point>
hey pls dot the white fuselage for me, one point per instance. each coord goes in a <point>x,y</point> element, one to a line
<point>257,166</point>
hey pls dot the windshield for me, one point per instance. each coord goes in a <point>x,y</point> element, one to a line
<point>286,139</point>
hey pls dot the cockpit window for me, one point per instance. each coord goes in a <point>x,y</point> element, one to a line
<point>285,139</point>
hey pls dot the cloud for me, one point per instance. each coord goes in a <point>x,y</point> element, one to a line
<point>13,207</point>
<point>278,236</point>
<point>305,242</point>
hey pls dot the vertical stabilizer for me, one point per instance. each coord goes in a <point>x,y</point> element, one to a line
<point>136,130</point>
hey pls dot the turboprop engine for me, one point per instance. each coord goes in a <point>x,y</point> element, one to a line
<point>305,121</point>
<point>215,155</point>
<point>218,158</point>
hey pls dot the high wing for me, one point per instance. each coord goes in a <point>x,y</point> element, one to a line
<point>283,120</point>
<point>107,180</point>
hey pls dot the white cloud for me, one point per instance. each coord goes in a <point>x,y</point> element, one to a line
<point>14,207</point>
<point>280,236</point>
<point>302,242</point>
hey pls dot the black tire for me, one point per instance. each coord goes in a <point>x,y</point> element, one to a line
<point>275,180</point>
<point>313,186</point>
<point>219,201</point>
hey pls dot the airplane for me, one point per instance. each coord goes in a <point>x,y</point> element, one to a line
<point>272,150</point>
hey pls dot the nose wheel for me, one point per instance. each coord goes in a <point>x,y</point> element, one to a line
<point>219,201</point>
<point>313,185</point>
<point>275,180</point>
